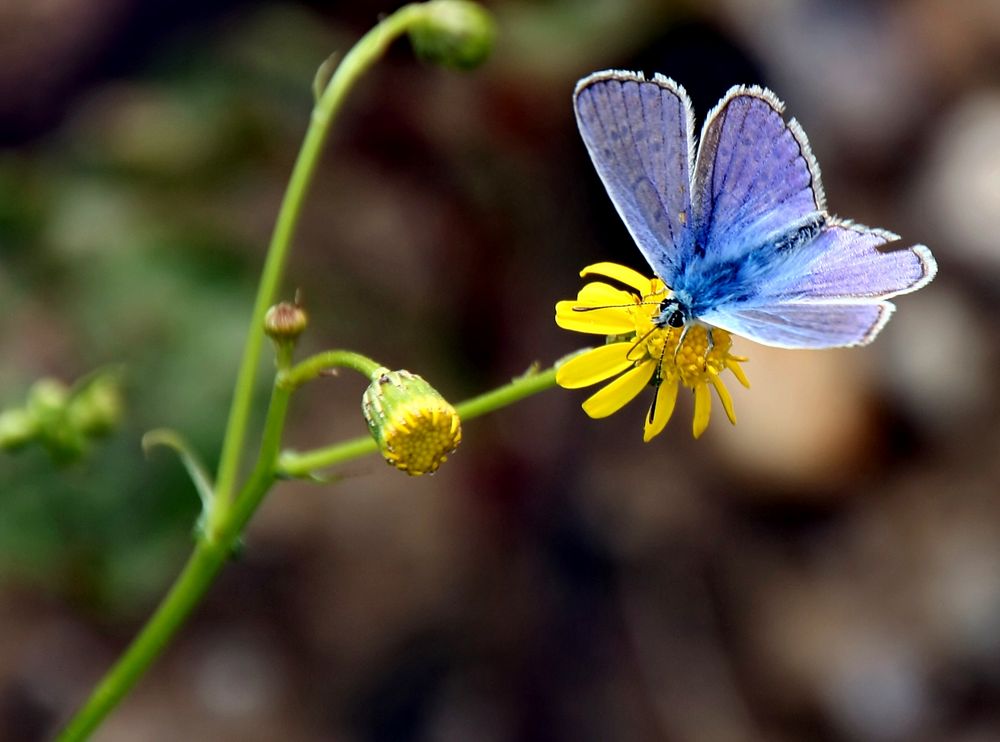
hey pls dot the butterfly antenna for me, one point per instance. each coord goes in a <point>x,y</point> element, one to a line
<point>617,306</point>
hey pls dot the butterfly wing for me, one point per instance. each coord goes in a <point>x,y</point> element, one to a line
<point>755,176</point>
<point>804,325</point>
<point>829,291</point>
<point>639,135</point>
<point>844,262</point>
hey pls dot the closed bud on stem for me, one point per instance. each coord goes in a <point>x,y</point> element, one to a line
<point>455,33</point>
<point>284,322</point>
<point>17,429</point>
<point>47,399</point>
<point>415,427</point>
<point>97,409</point>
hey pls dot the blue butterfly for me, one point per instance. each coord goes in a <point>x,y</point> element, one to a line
<point>739,230</point>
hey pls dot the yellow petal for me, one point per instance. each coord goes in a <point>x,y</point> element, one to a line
<point>620,273</point>
<point>594,366</point>
<point>594,321</point>
<point>734,366</point>
<point>620,392</point>
<point>727,401</point>
<point>702,409</point>
<point>598,294</point>
<point>662,409</point>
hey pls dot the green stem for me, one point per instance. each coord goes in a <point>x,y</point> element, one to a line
<point>313,366</point>
<point>209,556</point>
<point>530,383</point>
<point>305,463</point>
<point>228,516</point>
<point>357,61</point>
<point>199,572</point>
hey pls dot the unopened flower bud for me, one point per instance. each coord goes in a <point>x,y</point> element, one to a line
<point>97,409</point>
<point>415,427</point>
<point>47,399</point>
<point>455,33</point>
<point>17,429</point>
<point>285,321</point>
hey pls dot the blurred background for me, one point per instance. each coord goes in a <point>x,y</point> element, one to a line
<point>829,569</point>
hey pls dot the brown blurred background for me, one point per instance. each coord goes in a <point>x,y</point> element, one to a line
<point>829,569</point>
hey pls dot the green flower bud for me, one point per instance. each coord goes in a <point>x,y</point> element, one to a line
<point>97,408</point>
<point>48,400</point>
<point>62,419</point>
<point>47,397</point>
<point>415,427</point>
<point>455,33</point>
<point>18,428</point>
<point>284,322</point>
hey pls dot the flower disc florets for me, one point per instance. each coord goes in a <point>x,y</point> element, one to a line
<point>415,427</point>
<point>641,352</point>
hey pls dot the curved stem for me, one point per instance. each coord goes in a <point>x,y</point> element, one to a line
<point>357,61</point>
<point>296,464</point>
<point>228,516</point>
<point>313,366</point>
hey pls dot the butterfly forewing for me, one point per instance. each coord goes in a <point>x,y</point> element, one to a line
<point>754,177</point>
<point>639,135</point>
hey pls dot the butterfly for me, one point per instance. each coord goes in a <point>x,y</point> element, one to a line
<point>738,228</point>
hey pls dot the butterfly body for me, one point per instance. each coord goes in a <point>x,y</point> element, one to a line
<point>737,227</point>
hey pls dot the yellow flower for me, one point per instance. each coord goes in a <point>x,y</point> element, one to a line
<point>641,353</point>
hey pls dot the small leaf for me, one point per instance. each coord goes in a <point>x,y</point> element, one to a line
<point>323,75</point>
<point>312,476</point>
<point>195,469</point>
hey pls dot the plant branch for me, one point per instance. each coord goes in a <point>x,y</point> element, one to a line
<point>314,366</point>
<point>304,464</point>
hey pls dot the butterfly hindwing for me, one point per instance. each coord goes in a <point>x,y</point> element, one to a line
<point>639,135</point>
<point>806,325</point>
<point>844,263</point>
<point>829,291</point>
